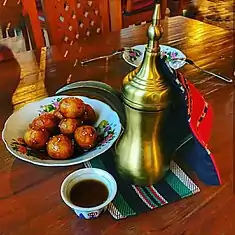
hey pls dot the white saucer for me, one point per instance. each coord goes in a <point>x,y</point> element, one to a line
<point>170,52</point>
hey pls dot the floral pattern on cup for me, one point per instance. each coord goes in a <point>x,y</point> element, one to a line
<point>89,214</point>
<point>81,216</point>
<point>93,214</point>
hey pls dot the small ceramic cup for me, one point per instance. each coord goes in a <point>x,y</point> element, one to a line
<point>85,174</point>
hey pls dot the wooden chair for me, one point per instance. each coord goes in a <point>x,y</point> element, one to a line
<point>15,16</point>
<point>131,12</point>
<point>138,11</point>
<point>70,20</point>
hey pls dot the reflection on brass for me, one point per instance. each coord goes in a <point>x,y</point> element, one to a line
<point>145,88</point>
<point>140,151</point>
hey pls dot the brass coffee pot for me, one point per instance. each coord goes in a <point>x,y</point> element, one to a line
<point>141,155</point>
<point>149,109</point>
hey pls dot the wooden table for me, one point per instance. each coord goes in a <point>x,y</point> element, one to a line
<point>30,201</point>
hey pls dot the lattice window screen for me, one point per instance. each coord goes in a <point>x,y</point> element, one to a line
<point>69,20</point>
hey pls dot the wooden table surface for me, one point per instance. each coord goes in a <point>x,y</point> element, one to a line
<point>30,201</point>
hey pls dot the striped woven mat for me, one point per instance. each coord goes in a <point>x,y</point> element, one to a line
<point>132,200</point>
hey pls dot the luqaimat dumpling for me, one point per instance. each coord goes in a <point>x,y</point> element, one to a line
<point>65,131</point>
<point>36,139</point>
<point>89,116</point>
<point>60,147</point>
<point>69,125</point>
<point>58,114</point>
<point>72,107</point>
<point>85,137</point>
<point>45,121</point>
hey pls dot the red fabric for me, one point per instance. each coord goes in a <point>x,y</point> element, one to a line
<point>205,126</point>
<point>141,4</point>
<point>203,132</point>
<point>138,5</point>
<point>202,129</point>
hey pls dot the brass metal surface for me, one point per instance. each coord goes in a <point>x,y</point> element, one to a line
<point>140,152</point>
<point>145,88</point>
<point>141,157</point>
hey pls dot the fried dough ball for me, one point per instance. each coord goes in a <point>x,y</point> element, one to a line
<point>58,114</point>
<point>36,139</point>
<point>89,116</point>
<point>85,137</point>
<point>72,107</point>
<point>45,121</point>
<point>60,147</point>
<point>68,125</point>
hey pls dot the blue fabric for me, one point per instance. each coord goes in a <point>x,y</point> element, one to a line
<point>193,153</point>
<point>196,156</point>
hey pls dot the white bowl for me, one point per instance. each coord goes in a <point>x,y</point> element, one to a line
<point>108,125</point>
<point>84,174</point>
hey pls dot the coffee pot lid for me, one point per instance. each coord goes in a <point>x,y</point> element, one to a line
<point>146,87</point>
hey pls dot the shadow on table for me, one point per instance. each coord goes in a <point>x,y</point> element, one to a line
<point>9,80</point>
<point>36,191</point>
